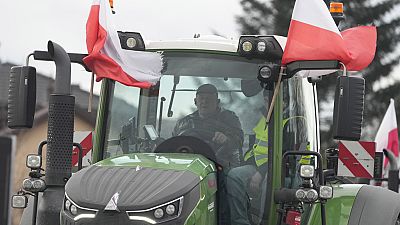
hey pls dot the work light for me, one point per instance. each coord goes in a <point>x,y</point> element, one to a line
<point>312,195</point>
<point>261,46</point>
<point>300,194</point>
<point>325,192</point>
<point>27,184</point>
<point>247,46</point>
<point>307,171</point>
<point>33,184</point>
<point>19,201</point>
<point>33,161</point>
<point>131,42</point>
<point>265,72</point>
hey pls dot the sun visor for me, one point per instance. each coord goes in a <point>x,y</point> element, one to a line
<point>250,87</point>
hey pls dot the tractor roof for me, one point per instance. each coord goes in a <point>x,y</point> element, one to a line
<point>207,42</point>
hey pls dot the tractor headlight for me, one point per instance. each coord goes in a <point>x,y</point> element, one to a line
<point>27,184</point>
<point>312,195</point>
<point>325,192</point>
<point>170,209</point>
<point>67,204</point>
<point>73,210</point>
<point>300,194</point>
<point>307,171</point>
<point>77,212</point>
<point>307,195</point>
<point>33,184</point>
<point>33,161</point>
<point>158,214</point>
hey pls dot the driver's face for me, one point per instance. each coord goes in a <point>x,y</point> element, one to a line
<point>207,103</point>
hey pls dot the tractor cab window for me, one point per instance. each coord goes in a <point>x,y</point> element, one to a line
<point>299,127</point>
<point>212,105</point>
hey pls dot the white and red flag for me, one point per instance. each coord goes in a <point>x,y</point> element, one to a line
<point>387,136</point>
<point>313,35</point>
<point>108,60</point>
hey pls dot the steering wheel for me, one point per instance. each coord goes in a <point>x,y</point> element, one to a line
<point>206,135</point>
<point>186,144</point>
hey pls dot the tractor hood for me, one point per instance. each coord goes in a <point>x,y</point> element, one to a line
<point>141,180</point>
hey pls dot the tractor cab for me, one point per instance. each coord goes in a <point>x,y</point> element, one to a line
<point>158,155</point>
<point>227,136</point>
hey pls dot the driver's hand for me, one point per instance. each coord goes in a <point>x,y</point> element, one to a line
<point>219,138</point>
<point>255,182</point>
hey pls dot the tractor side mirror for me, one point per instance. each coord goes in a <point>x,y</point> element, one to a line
<point>348,108</point>
<point>21,97</point>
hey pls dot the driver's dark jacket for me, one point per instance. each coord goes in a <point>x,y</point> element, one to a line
<point>223,121</point>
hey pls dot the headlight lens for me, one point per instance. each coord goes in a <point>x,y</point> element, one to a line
<point>265,72</point>
<point>247,46</point>
<point>261,46</point>
<point>67,204</point>
<point>74,210</point>
<point>27,184</point>
<point>158,213</point>
<point>170,209</point>
<point>300,194</point>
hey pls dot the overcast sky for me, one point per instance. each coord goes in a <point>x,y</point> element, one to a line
<point>27,25</point>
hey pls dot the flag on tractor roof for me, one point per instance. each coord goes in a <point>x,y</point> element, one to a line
<point>108,60</point>
<point>313,35</point>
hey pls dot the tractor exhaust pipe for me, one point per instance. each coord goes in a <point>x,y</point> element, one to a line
<point>61,120</point>
<point>59,138</point>
<point>63,68</point>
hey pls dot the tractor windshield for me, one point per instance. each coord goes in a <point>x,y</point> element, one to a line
<point>212,101</point>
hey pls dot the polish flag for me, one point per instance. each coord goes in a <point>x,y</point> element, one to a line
<point>387,136</point>
<point>108,60</point>
<point>313,35</point>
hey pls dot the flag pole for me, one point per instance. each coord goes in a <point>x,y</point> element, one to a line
<point>278,84</point>
<point>91,93</point>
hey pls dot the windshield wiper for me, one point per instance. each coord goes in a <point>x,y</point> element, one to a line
<point>176,82</point>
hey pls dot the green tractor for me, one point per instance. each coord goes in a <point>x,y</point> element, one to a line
<point>147,170</point>
<point>143,172</point>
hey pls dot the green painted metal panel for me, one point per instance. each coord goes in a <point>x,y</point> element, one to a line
<point>337,209</point>
<point>277,154</point>
<point>205,212</point>
<point>197,164</point>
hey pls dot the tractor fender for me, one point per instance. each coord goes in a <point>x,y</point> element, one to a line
<point>375,205</point>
